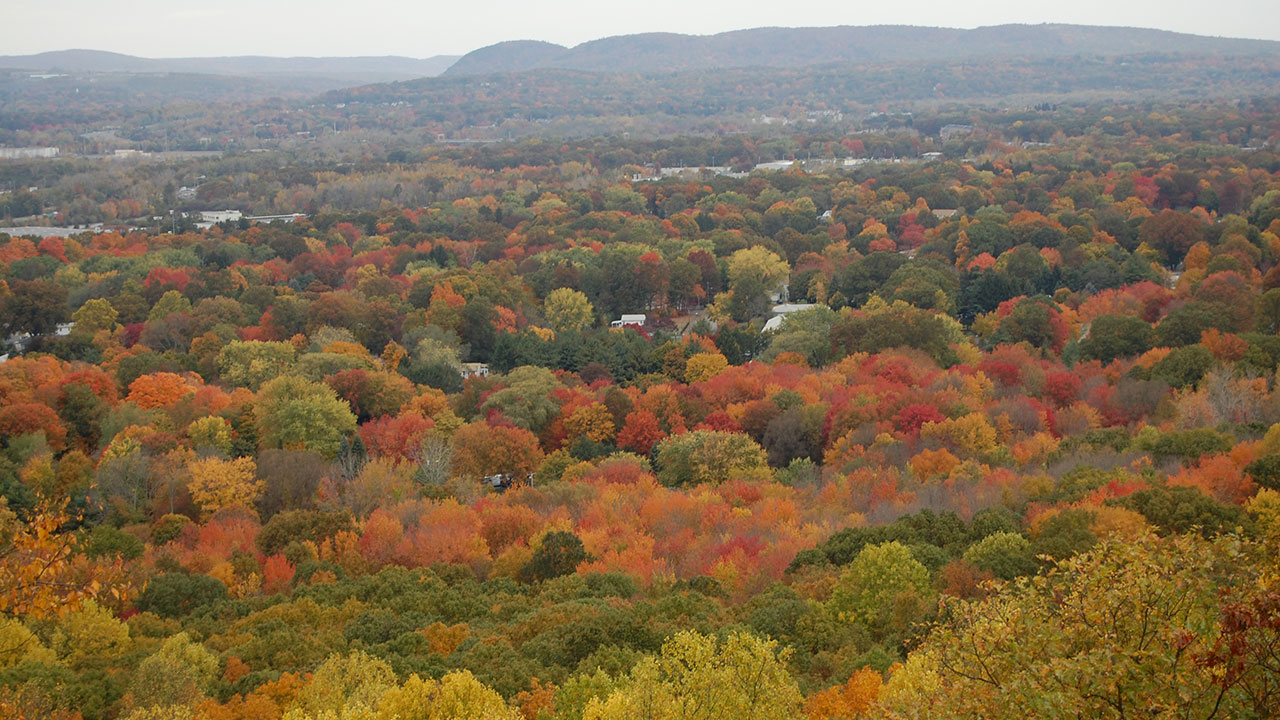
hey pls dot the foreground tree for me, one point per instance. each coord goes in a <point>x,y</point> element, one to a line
<point>41,572</point>
<point>1137,629</point>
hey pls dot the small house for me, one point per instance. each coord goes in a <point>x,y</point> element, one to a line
<point>636,320</point>
<point>474,370</point>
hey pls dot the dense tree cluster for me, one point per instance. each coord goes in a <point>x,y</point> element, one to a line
<point>399,462</point>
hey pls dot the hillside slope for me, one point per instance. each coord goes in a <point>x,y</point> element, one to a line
<point>797,47</point>
<point>363,69</point>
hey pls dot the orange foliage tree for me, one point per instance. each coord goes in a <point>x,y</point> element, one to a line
<point>158,390</point>
<point>480,450</point>
<point>847,701</point>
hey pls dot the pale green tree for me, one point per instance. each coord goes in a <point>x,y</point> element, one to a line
<point>568,310</point>
<point>526,399</point>
<point>710,456</point>
<point>755,274</point>
<point>179,673</point>
<point>361,687</point>
<point>342,681</point>
<point>698,677</point>
<point>96,314</point>
<point>880,579</point>
<point>1005,554</point>
<point>91,634</point>
<point>456,696</point>
<point>18,644</point>
<point>296,414</point>
<point>210,435</point>
<point>169,303</point>
<point>250,364</point>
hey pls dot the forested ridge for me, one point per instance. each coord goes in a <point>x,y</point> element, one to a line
<point>799,46</point>
<point>1011,448</point>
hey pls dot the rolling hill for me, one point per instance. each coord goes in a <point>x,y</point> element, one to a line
<point>351,70</point>
<point>798,47</point>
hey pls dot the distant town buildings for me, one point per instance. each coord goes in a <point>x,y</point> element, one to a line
<point>209,218</point>
<point>27,153</point>
<point>776,165</point>
<point>44,231</point>
<point>217,216</point>
<point>653,174</point>
<point>20,341</point>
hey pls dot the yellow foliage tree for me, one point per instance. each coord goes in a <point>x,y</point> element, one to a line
<point>704,366</point>
<point>593,421</point>
<point>392,355</point>
<point>210,433</point>
<point>444,639</point>
<point>41,573</point>
<point>972,433</point>
<point>456,696</point>
<point>19,644</point>
<point>568,310</point>
<point>218,483</point>
<point>178,674</point>
<point>91,633</point>
<point>344,686</point>
<point>361,687</point>
<point>697,677</point>
<point>167,712</point>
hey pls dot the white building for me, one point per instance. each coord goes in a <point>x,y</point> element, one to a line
<point>217,216</point>
<point>475,370</point>
<point>776,165</point>
<point>288,217</point>
<point>26,153</point>
<point>781,311</point>
<point>625,320</point>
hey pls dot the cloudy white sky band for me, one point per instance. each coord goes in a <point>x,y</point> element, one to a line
<point>422,28</point>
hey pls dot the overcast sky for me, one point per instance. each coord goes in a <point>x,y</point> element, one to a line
<point>421,28</point>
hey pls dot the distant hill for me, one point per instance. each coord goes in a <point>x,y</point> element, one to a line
<point>511,56</point>
<point>731,99</point>
<point>798,47</point>
<point>345,70</point>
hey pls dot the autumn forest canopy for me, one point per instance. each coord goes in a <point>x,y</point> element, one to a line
<point>951,394</point>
